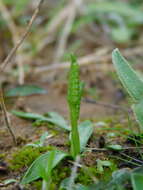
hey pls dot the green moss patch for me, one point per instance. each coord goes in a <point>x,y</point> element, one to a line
<point>25,156</point>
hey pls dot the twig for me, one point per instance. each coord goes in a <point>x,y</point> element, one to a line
<point>100,55</point>
<point>78,165</point>
<point>18,44</point>
<point>65,33</point>
<point>122,159</point>
<point>111,106</point>
<point>59,19</point>
<point>6,118</point>
<point>139,161</point>
<point>74,173</point>
<point>15,36</point>
<point>106,149</point>
<point>53,27</point>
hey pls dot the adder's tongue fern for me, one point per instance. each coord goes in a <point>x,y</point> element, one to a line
<point>74,98</point>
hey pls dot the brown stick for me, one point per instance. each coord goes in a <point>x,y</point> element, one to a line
<point>13,51</point>
<point>62,42</point>
<point>102,55</point>
<point>106,105</point>
<point>6,118</point>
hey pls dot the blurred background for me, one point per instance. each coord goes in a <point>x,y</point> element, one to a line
<point>89,28</point>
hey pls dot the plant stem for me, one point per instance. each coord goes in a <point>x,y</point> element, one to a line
<point>75,141</point>
<point>6,118</point>
<point>74,98</point>
<point>46,184</point>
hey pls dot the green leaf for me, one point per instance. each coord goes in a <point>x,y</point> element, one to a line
<point>137,181</point>
<point>25,90</point>
<point>65,185</point>
<point>120,176</point>
<point>138,111</point>
<point>52,117</point>
<point>45,170</point>
<point>81,187</point>
<point>85,131</point>
<point>28,115</point>
<point>9,181</point>
<point>18,6</point>
<point>121,34</point>
<point>43,138</point>
<point>129,78</point>
<point>120,8</point>
<point>101,164</point>
<point>114,147</point>
<point>40,142</point>
<point>33,173</point>
<point>58,120</point>
<point>99,186</point>
<point>138,170</point>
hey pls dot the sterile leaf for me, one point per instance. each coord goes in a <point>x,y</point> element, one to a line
<point>85,131</point>
<point>129,78</point>
<point>33,172</point>
<point>25,90</point>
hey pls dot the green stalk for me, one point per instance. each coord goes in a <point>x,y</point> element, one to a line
<point>46,184</point>
<point>75,142</point>
<point>74,98</point>
<point>46,172</point>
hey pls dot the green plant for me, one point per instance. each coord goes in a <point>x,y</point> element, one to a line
<point>41,141</point>
<point>42,168</point>
<point>46,171</point>
<point>74,98</point>
<point>79,134</point>
<point>132,82</point>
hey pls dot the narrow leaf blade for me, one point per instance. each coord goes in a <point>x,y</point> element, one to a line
<point>85,132</point>
<point>25,90</point>
<point>58,120</point>
<point>52,117</point>
<point>28,115</point>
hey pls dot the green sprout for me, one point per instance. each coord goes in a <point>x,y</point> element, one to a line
<point>74,99</point>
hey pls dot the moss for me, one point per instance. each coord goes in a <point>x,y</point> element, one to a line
<point>24,157</point>
<point>59,175</point>
<point>84,175</point>
<point>37,185</point>
<point>2,155</point>
<point>87,174</point>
